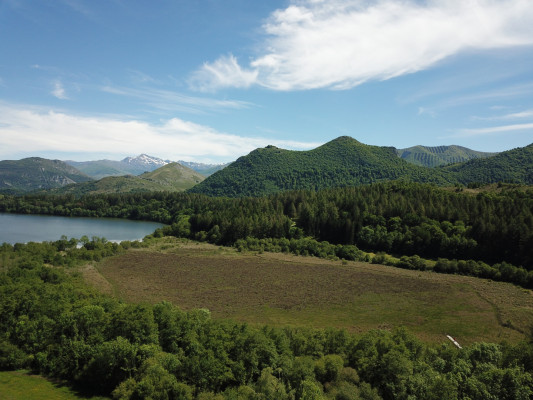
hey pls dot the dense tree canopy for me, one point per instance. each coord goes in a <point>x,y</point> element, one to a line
<point>394,217</point>
<point>346,162</point>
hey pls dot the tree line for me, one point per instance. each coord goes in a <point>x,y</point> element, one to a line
<point>398,218</point>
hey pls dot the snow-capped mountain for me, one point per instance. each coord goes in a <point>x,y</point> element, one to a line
<point>144,160</point>
<point>128,166</point>
<point>136,166</point>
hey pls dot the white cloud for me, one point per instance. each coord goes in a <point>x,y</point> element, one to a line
<point>59,91</point>
<point>339,44</point>
<point>224,72</point>
<point>519,115</point>
<point>493,129</point>
<point>27,131</point>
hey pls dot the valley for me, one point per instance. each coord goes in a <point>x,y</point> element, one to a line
<point>266,200</point>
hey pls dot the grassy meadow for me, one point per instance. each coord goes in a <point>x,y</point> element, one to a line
<point>281,289</point>
<point>21,385</point>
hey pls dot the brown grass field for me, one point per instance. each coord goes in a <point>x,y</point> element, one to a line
<point>280,290</point>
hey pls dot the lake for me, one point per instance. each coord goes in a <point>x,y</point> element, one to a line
<point>17,228</point>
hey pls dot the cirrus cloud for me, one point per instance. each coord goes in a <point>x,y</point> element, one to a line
<point>339,44</point>
<point>494,130</point>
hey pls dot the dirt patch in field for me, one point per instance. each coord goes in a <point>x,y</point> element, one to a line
<point>283,289</point>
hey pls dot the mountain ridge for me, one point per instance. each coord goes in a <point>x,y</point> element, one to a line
<point>138,165</point>
<point>128,166</point>
<point>512,166</point>
<point>28,174</point>
<point>345,161</point>
<point>435,156</point>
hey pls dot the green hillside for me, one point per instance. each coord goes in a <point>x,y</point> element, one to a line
<point>347,162</point>
<point>440,155</point>
<point>172,177</point>
<point>341,162</point>
<point>29,174</point>
<point>110,184</point>
<point>509,166</point>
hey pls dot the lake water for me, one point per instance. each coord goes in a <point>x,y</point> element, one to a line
<point>16,228</point>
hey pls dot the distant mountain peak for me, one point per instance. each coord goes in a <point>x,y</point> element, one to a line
<point>204,169</point>
<point>145,159</point>
<point>433,156</point>
<point>34,173</point>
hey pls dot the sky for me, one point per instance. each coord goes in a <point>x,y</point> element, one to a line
<point>211,80</point>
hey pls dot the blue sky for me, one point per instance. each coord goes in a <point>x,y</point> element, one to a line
<point>211,80</point>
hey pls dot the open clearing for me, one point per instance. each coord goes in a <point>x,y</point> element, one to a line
<point>280,289</point>
<point>21,385</point>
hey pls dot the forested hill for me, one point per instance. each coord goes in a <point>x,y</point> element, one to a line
<point>341,162</point>
<point>172,177</point>
<point>35,173</point>
<point>440,155</point>
<point>509,166</point>
<point>347,162</point>
<point>175,176</point>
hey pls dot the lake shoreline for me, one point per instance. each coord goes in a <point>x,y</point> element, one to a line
<point>24,228</point>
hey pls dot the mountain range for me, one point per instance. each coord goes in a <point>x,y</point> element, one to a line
<point>440,155</point>
<point>204,169</point>
<point>340,162</point>
<point>347,162</point>
<point>135,166</point>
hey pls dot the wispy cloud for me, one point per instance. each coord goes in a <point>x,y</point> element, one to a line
<point>48,68</point>
<point>509,92</point>
<point>507,117</point>
<point>59,91</point>
<point>29,131</point>
<point>140,77</point>
<point>493,130</point>
<point>167,100</point>
<point>427,111</point>
<point>339,44</point>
